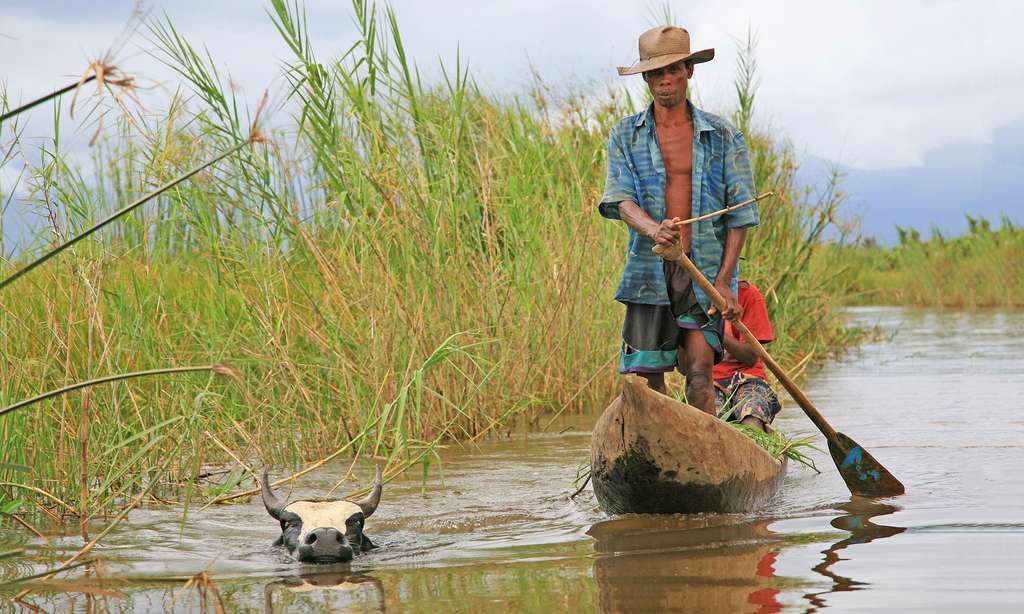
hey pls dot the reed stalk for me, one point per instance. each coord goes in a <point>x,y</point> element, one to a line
<point>44,98</point>
<point>218,369</point>
<point>122,212</point>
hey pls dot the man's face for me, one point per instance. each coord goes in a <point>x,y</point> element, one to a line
<point>668,84</point>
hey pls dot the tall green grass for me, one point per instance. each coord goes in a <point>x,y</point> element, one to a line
<point>981,268</point>
<point>402,264</point>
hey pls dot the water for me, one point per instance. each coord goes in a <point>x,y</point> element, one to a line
<point>936,402</point>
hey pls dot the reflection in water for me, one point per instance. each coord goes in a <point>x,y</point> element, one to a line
<point>685,563</point>
<point>705,563</point>
<point>857,520</point>
<point>333,591</point>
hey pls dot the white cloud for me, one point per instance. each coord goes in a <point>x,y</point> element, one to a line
<point>877,84</point>
<point>871,84</point>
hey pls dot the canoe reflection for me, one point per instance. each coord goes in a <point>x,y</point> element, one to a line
<point>857,520</point>
<point>685,563</point>
<point>317,590</point>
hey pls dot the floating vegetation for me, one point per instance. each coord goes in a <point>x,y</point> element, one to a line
<point>779,445</point>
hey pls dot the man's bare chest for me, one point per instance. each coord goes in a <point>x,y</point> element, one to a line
<point>676,144</point>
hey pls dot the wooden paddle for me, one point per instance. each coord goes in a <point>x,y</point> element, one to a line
<point>862,473</point>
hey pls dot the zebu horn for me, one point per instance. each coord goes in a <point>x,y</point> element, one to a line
<point>273,505</point>
<point>369,503</point>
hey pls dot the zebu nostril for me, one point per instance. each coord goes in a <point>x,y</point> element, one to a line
<point>311,538</point>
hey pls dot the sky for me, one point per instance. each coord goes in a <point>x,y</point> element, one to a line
<point>919,102</point>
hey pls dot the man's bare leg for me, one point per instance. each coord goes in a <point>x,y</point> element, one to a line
<point>700,359</point>
<point>655,381</point>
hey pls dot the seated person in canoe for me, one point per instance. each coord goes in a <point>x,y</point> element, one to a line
<point>741,391</point>
<point>669,163</point>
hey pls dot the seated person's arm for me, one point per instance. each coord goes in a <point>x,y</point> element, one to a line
<point>740,351</point>
<point>755,318</point>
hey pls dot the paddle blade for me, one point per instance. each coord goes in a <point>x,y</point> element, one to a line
<point>863,475</point>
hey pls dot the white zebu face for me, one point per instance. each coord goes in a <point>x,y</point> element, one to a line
<point>327,531</point>
<point>322,531</point>
<point>340,515</point>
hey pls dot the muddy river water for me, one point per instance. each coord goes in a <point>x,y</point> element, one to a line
<point>938,401</point>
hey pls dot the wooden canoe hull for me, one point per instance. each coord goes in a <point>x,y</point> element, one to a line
<point>651,454</point>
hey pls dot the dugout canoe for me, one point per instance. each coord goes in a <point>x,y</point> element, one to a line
<point>651,454</point>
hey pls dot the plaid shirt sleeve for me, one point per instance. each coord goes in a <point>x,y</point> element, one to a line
<point>739,183</point>
<point>619,184</point>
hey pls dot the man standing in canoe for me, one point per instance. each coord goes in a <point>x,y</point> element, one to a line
<point>666,164</point>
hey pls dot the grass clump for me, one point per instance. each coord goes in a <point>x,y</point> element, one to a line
<point>982,268</point>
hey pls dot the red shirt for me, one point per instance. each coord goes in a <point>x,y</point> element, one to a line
<point>755,316</point>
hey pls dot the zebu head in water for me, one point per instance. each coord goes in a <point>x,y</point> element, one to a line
<point>322,530</point>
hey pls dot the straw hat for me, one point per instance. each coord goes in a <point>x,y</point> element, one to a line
<point>662,46</point>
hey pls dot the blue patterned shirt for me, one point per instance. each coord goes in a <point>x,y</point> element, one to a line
<point>636,172</point>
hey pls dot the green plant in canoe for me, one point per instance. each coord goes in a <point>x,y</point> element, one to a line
<point>779,445</point>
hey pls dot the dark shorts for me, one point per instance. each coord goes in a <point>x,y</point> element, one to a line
<point>652,334</point>
<point>741,396</point>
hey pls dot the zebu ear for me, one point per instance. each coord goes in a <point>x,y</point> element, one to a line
<point>369,503</point>
<point>273,505</point>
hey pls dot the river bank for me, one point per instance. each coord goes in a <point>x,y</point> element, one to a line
<point>980,269</point>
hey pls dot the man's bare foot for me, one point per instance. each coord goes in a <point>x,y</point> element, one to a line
<point>754,422</point>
